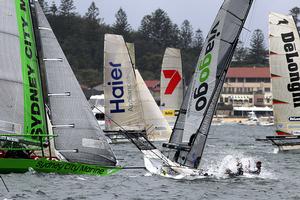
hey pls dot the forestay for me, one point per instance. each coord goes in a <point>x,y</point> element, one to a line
<point>21,99</point>
<point>171,83</point>
<point>208,79</point>
<point>79,137</point>
<point>285,63</point>
<point>122,103</point>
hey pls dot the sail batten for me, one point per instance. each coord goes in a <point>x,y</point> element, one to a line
<point>72,108</point>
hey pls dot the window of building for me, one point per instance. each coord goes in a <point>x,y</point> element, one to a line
<point>250,100</point>
<point>260,100</point>
<point>226,99</point>
<point>221,99</point>
<point>232,80</point>
<point>267,89</point>
<point>240,80</point>
<point>251,80</point>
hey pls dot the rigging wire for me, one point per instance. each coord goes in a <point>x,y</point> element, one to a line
<point>125,133</point>
<point>4,183</point>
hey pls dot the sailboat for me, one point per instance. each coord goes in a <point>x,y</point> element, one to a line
<point>187,142</point>
<point>129,105</point>
<point>171,84</point>
<point>73,142</point>
<point>285,63</point>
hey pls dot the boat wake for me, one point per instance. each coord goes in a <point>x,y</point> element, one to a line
<point>218,169</point>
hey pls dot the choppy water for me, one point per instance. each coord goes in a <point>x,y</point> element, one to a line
<point>279,179</point>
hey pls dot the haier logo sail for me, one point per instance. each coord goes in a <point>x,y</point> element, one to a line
<point>117,88</point>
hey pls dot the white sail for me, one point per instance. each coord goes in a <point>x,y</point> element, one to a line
<point>171,84</point>
<point>131,51</point>
<point>122,103</point>
<point>285,63</point>
<point>157,127</point>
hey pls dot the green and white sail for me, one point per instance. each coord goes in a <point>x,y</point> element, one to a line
<point>122,103</point>
<point>79,137</point>
<point>208,80</point>
<point>285,64</point>
<point>21,99</point>
<point>171,84</point>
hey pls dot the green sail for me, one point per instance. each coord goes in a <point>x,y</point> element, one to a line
<point>34,110</point>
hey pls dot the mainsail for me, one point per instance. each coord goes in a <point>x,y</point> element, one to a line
<point>285,63</point>
<point>157,127</point>
<point>21,99</point>
<point>78,135</point>
<point>171,84</point>
<point>208,80</point>
<point>122,104</point>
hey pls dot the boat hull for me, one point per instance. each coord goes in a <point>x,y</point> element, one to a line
<point>15,165</point>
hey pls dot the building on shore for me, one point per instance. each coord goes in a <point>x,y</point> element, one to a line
<point>246,87</point>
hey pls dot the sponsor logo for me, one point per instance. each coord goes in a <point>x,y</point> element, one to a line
<point>284,21</point>
<point>204,68</point>
<point>117,88</point>
<point>34,116</point>
<point>294,119</point>
<point>169,112</point>
<point>291,55</point>
<point>175,79</point>
<point>65,167</point>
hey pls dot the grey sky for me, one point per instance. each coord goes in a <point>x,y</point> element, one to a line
<point>200,13</point>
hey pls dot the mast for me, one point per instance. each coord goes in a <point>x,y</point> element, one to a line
<point>208,79</point>
<point>284,66</point>
<point>79,137</point>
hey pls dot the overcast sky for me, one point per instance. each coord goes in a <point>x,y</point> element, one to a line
<point>200,13</point>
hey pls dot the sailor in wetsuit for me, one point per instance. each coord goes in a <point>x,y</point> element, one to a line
<point>240,170</point>
<point>258,168</point>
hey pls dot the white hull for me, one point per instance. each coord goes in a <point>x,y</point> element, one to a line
<point>289,147</point>
<point>158,164</point>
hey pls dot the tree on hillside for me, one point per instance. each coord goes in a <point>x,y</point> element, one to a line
<point>67,7</point>
<point>159,28</point>
<point>53,9</point>
<point>295,12</point>
<point>240,54</point>
<point>186,34</point>
<point>198,40</point>
<point>121,26</point>
<point>44,6</point>
<point>93,13</point>
<point>257,51</point>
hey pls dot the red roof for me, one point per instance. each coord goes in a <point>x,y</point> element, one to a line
<point>153,85</point>
<point>248,72</point>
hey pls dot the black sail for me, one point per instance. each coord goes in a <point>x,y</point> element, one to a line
<point>199,106</point>
<point>79,137</point>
